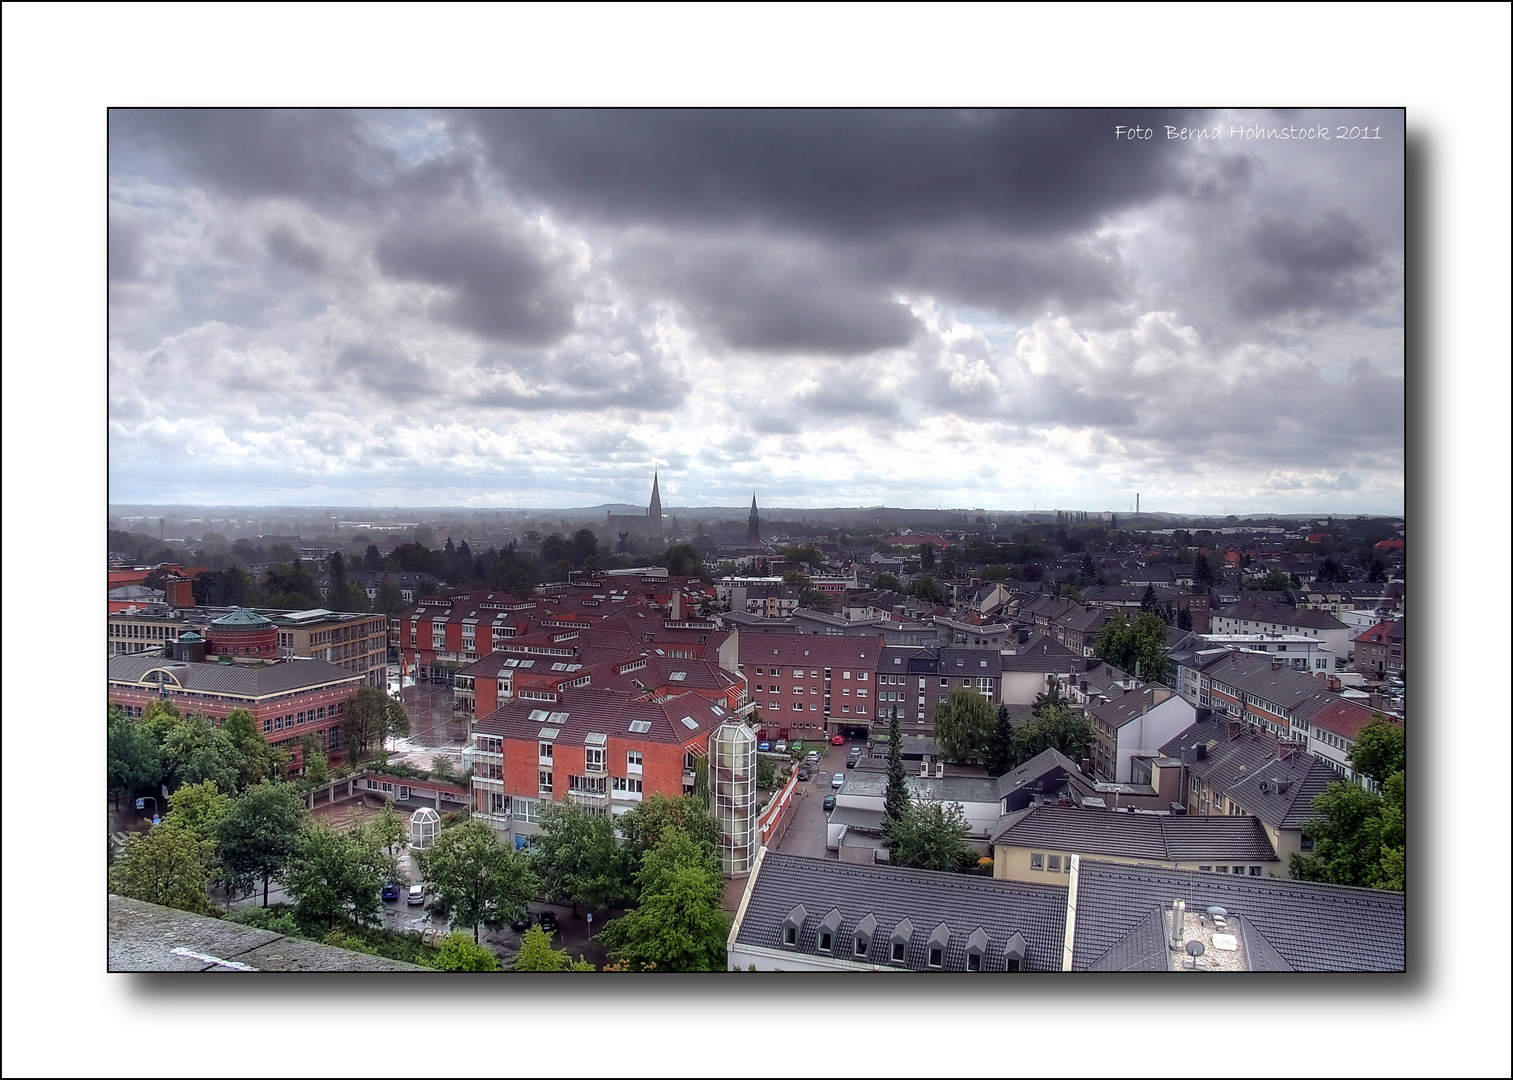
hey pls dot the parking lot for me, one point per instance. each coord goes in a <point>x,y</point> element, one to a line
<point>806,832</point>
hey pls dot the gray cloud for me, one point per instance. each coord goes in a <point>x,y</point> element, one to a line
<point>502,287</point>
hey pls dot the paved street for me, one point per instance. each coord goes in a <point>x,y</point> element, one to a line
<point>806,833</point>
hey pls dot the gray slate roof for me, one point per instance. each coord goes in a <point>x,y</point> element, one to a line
<point>238,680</point>
<point>1046,763</point>
<point>890,894</point>
<point>1239,767</point>
<point>1152,837</point>
<point>1309,927</point>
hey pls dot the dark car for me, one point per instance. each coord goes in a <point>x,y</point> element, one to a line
<point>829,802</point>
<point>805,772</point>
<point>521,923</point>
<point>547,920</point>
<point>851,762</point>
<point>391,890</point>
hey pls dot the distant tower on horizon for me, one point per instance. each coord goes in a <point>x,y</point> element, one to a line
<point>753,524</point>
<point>647,526</point>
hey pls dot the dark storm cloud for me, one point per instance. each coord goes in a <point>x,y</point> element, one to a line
<point>765,295</point>
<point>842,172</point>
<point>328,158</point>
<point>289,247</point>
<point>1328,265</point>
<point>384,370</point>
<point>502,287</point>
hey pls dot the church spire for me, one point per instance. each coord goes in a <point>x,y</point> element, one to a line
<point>753,524</point>
<point>655,510</point>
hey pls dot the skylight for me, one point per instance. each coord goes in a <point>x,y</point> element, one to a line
<point>640,727</point>
<point>677,676</point>
<point>595,738</point>
<point>690,723</point>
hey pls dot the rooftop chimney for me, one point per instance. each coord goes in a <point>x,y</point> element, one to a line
<point>1178,913</point>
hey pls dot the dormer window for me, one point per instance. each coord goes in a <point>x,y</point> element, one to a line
<point>793,925</point>
<point>827,930</point>
<point>902,934</point>
<point>1013,953</point>
<point>862,940</point>
<point>977,945</point>
<point>939,938</point>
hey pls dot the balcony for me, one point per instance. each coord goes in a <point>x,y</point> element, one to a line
<point>594,800</point>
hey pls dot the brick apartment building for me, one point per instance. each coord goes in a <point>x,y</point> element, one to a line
<point>288,700</point>
<point>813,685</point>
<point>351,640</point>
<point>1380,651</point>
<point>602,749</point>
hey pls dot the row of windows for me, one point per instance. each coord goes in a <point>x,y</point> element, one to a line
<point>798,673</point>
<point>1054,864</point>
<point>279,723</point>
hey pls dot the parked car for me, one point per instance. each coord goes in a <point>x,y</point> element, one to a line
<point>856,751</point>
<point>764,747</point>
<point>805,772</point>
<point>781,746</point>
<point>812,758</point>
<point>391,890</point>
<point>829,803</point>
<point>851,762</point>
<point>521,923</point>
<point>417,895</point>
<point>837,780</point>
<point>838,740</point>
<point>547,920</point>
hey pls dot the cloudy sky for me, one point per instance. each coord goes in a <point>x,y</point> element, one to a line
<point>920,308</point>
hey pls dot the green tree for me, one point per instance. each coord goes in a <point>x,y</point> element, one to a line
<point>963,723</point>
<point>644,827</point>
<point>927,588</point>
<point>1049,698</point>
<point>536,954</point>
<point>1381,749</point>
<point>389,600</point>
<point>1347,838</point>
<point>1150,603</point>
<point>578,858</point>
<point>896,793</point>
<point>797,577</point>
<point>475,877</point>
<point>1205,577</point>
<point>932,836</point>
<point>289,585</point>
<point>682,560</point>
<point>1184,619</point>
<point>815,600</point>
<point>1055,727</point>
<point>133,758</point>
<point>259,760</point>
<point>1378,572</point>
<point>372,718</point>
<point>259,834</point>
<point>335,875</point>
<point>1271,581</point>
<point>389,828</point>
<point>678,925</point>
<point>313,753</point>
<point>198,808</point>
<point>169,865</point>
<point>1136,646</point>
<point>998,755</point>
<point>457,953</point>
<point>887,581</point>
<point>766,773</point>
<point>927,556</point>
<point>196,750</point>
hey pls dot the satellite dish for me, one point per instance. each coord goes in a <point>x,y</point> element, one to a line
<point>1217,912</point>
<point>1194,948</point>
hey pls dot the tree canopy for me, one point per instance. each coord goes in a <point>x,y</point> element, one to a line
<point>578,859</point>
<point>536,954</point>
<point>335,875</point>
<point>458,953</point>
<point>1381,749</point>
<point>372,718</point>
<point>963,723</point>
<point>477,879</point>
<point>1135,646</point>
<point>678,924</point>
<point>259,834</point>
<point>931,836</point>
<point>169,865</point>
<point>1359,838</point>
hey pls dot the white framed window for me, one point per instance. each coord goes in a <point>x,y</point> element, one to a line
<point>593,758</point>
<point>937,957</point>
<point>544,781</point>
<point>1053,864</point>
<point>861,676</point>
<point>898,952</point>
<point>544,753</point>
<point>825,941</point>
<point>633,761</point>
<point>798,706</point>
<point>1037,860</point>
<point>798,689</point>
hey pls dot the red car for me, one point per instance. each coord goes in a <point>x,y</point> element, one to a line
<point>837,740</point>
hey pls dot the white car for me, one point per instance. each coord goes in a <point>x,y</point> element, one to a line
<point>781,746</point>
<point>417,895</point>
<point>837,780</point>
